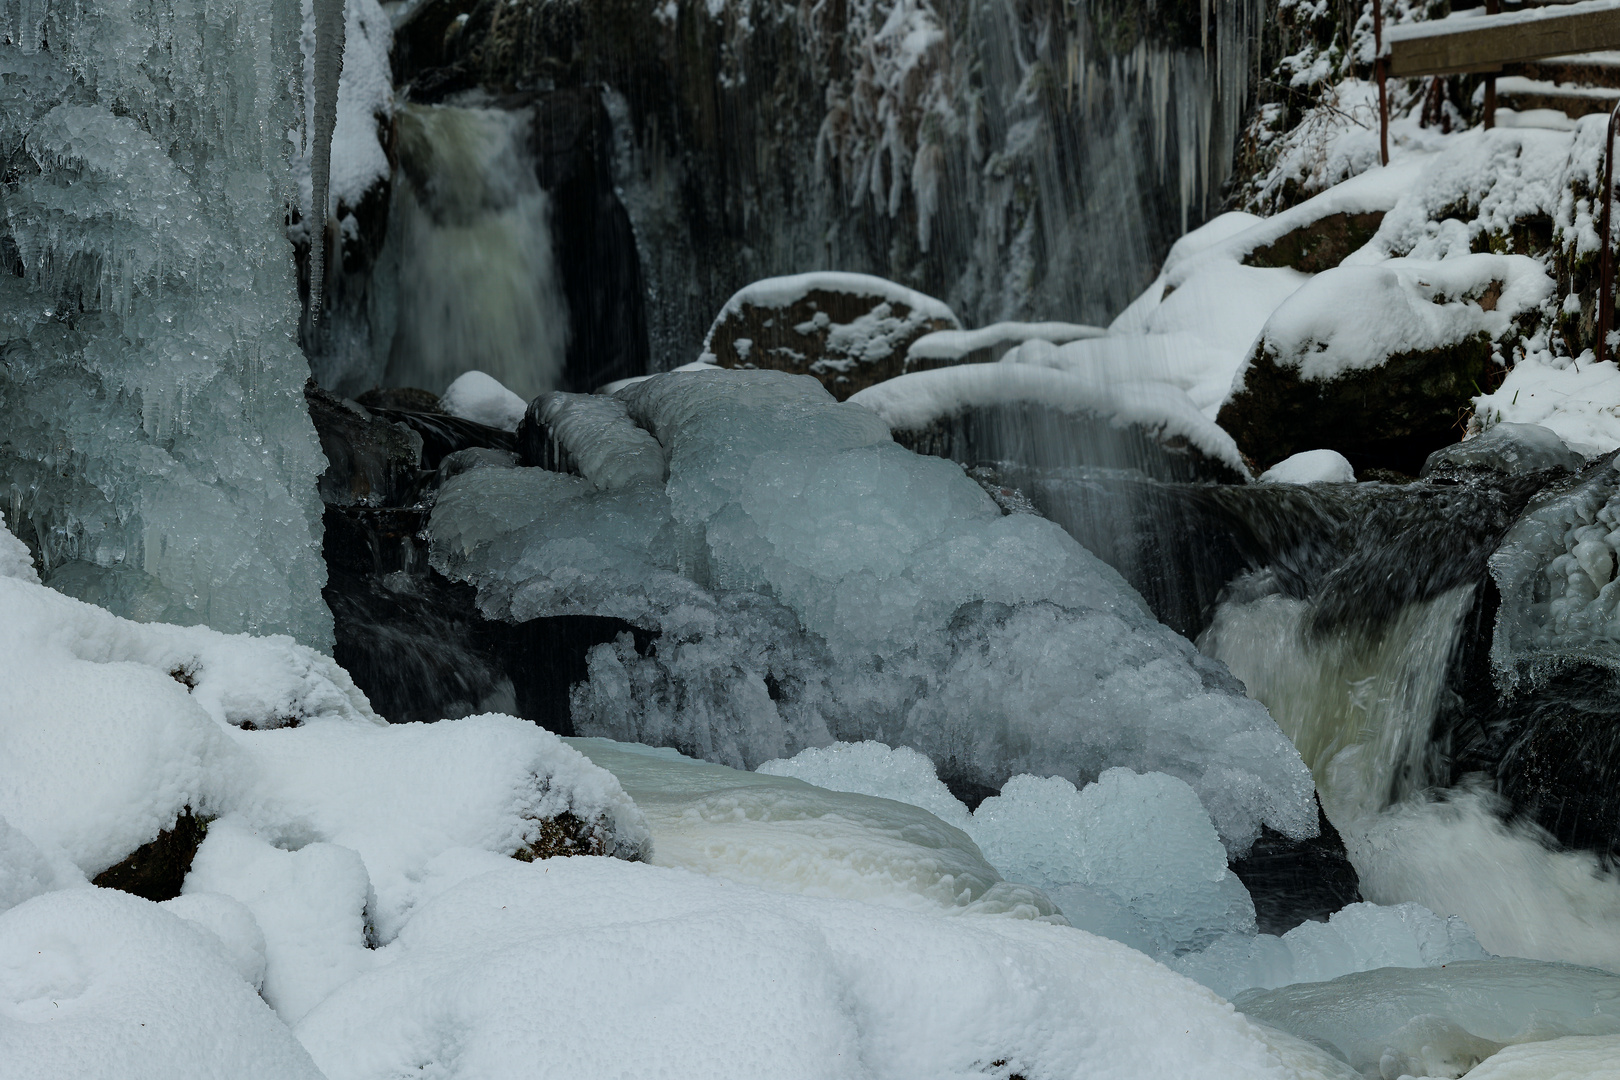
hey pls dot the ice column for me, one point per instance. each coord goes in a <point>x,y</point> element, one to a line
<point>155,447</point>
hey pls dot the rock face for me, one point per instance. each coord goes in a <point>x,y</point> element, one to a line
<point>846,330</point>
<point>977,152</point>
<point>157,869</point>
<point>1319,245</point>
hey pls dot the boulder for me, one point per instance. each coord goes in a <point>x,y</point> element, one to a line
<point>1319,243</point>
<point>1381,362</point>
<point>847,330</point>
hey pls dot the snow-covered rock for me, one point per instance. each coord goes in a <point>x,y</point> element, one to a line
<point>847,330</point>
<point>482,399</point>
<point>1311,467</point>
<point>987,344</point>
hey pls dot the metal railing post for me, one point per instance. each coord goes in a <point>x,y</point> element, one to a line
<point>1380,68</point>
<point>1606,256</point>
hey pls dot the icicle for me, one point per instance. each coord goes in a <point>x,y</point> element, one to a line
<point>329,28</point>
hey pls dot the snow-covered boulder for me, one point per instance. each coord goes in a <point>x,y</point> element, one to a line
<point>1311,467</point>
<point>847,330</point>
<point>1378,361</point>
<point>1045,417</point>
<point>482,399</point>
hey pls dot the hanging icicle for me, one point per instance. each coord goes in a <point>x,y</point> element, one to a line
<point>329,31</point>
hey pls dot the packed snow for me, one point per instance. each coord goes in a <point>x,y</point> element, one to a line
<point>482,399</point>
<point>1311,467</point>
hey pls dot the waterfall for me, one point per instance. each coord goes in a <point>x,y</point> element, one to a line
<point>478,288</point>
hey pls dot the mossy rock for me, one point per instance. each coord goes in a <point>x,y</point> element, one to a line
<point>158,868</point>
<point>567,834</point>
<point>1320,245</point>
<point>1389,417</point>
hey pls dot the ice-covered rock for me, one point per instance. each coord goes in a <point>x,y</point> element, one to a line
<point>1441,1021</point>
<point>157,437</point>
<point>1506,448</point>
<point>1380,357</point>
<point>779,833</point>
<point>98,985</point>
<point>1132,857</point>
<point>714,979</point>
<point>1311,467</point>
<point>1045,417</point>
<point>593,435</point>
<point>871,768</point>
<point>482,399</point>
<point>847,330</point>
<point>811,581</point>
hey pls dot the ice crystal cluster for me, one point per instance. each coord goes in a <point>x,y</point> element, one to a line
<point>158,454</point>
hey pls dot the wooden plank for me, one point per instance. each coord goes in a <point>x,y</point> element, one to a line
<point>1486,42</point>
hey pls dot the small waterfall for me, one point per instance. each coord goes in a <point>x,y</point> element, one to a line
<point>478,287</point>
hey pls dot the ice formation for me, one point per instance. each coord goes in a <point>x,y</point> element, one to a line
<point>781,834</point>
<point>482,399</point>
<point>1441,1021</point>
<point>1359,937</point>
<point>812,581</point>
<point>159,453</point>
<point>1556,573</point>
<point>330,26</point>
<point>1311,467</point>
<point>1506,448</point>
<point>871,768</point>
<point>596,435</point>
<point>946,347</point>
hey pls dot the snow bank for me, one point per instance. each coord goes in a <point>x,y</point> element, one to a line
<point>946,347</point>
<point>916,400</point>
<point>809,581</point>
<point>1577,399</point>
<point>97,984</point>
<point>1311,467</point>
<point>482,399</point>
<point>15,559</point>
<point>515,972</point>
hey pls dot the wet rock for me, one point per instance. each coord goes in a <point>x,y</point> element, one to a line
<point>1320,244</point>
<point>371,461</point>
<point>1292,881</point>
<point>158,868</point>
<point>443,435</point>
<point>410,398</point>
<point>847,330</point>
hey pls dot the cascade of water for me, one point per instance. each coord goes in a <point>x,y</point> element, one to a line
<point>471,232</point>
<point>158,454</point>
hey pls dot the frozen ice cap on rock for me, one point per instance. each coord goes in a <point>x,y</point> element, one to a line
<point>1507,448</point>
<point>872,768</point>
<point>1132,857</point>
<point>1311,467</point>
<point>702,979</point>
<point>595,434</point>
<point>99,985</point>
<point>811,581</point>
<point>483,400</point>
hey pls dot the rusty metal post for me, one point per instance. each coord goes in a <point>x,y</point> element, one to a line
<point>1383,95</point>
<point>1492,7</point>
<point>1606,255</point>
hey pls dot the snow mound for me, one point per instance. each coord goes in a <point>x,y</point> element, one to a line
<point>482,399</point>
<point>1441,1021</point>
<point>711,979</point>
<point>943,348</point>
<point>1311,467</point>
<point>916,400</point>
<point>98,984</point>
<point>1574,1057</point>
<point>811,581</point>
<point>782,834</point>
<point>109,729</point>
<point>1359,937</point>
